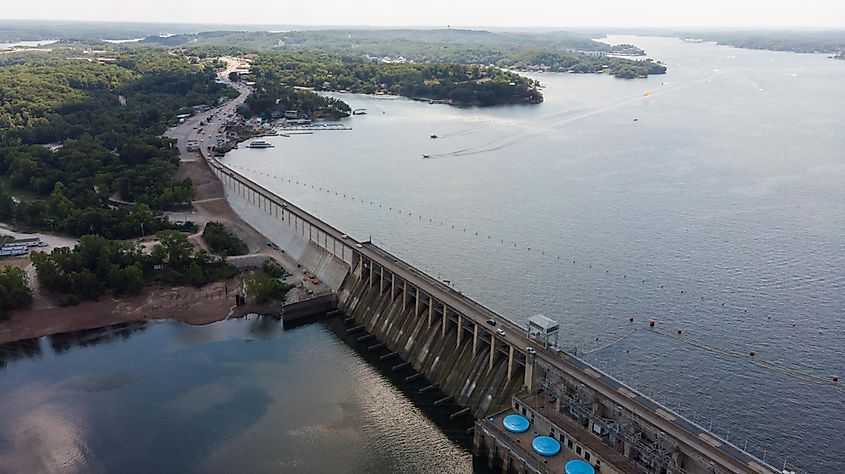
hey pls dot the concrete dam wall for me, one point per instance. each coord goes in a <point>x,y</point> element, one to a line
<point>290,233</point>
<point>436,332</point>
<point>460,366</point>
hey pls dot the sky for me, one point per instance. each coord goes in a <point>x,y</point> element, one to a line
<point>493,13</point>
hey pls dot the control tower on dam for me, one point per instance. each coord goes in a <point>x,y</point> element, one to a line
<point>487,364</point>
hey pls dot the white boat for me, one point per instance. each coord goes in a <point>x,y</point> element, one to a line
<point>259,144</point>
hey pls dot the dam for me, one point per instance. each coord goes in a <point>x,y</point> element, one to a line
<point>484,362</point>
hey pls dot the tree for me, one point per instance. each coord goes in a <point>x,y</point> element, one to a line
<point>129,280</point>
<point>222,241</point>
<point>158,254</point>
<point>47,270</point>
<point>195,275</point>
<point>14,289</point>
<point>265,289</point>
<point>272,269</point>
<point>7,205</point>
<point>85,284</point>
<point>178,248</point>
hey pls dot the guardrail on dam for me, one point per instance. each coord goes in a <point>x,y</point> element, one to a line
<point>445,336</point>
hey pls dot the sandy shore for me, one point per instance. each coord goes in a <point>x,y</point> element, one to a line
<point>198,306</point>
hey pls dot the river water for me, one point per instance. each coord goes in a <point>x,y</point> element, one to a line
<point>234,396</point>
<point>709,199</point>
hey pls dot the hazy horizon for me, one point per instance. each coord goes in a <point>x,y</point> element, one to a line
<point>513,28</point>
<point>545,14</point>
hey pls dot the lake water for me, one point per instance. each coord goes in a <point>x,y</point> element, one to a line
<point>710,199</point>
<point>27,44</point>
<point>234,396</point>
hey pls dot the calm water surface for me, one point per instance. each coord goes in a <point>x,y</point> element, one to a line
<point>234,396</point>
<point>719,211</point>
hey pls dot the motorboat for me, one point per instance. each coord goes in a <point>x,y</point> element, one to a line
<point>259,144</point>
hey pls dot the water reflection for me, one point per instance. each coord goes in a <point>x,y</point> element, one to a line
<point>31,348</point>
<point>235,396</point>
<point>90,337</point>
<point>12,351</point>
<point>39,434</point>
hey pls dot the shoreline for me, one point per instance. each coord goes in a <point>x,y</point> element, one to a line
<point>194,306</point>
<point>428,100</point>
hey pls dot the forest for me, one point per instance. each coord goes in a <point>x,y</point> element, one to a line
<point>78,136</point>
<point>819,41</point>
<point>561,51</point>
<point>564,61</point>
<point>274,96</point>
<point>97,265</point>
<point>457,84</point>
<point>14,290</point>
<point>435,46</point>
<point>223,242</point>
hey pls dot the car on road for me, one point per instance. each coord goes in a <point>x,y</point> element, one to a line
<point>500,332</point>
<point>491,322</point>
<point>530,350</point>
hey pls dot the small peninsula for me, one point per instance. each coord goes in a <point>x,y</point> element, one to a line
<point>281,78</point>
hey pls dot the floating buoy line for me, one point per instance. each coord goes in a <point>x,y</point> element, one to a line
<point>750,357</point>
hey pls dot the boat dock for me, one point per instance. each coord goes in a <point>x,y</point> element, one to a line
<point>314,127</point>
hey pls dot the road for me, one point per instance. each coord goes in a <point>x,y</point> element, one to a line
<point>209,204</point>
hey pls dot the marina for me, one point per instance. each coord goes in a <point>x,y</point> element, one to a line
<point>314,127</point>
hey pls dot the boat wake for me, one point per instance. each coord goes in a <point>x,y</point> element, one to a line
<point>548,122</point>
